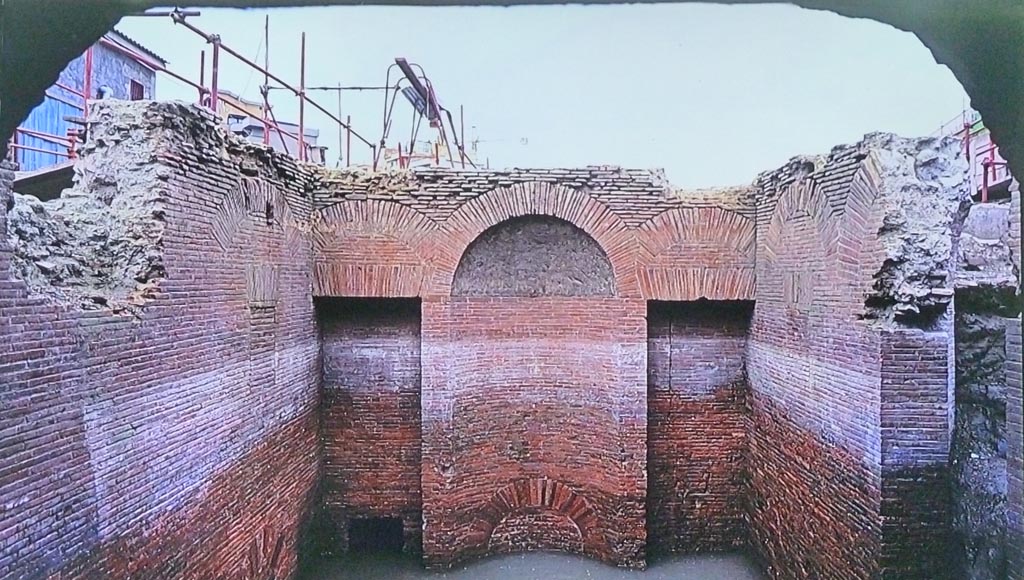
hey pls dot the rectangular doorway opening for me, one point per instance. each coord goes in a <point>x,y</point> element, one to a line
<point>375,535</point>
<point>696,424</point>
<point>370,421</point>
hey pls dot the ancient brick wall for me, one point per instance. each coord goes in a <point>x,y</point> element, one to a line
<point>574,364</point>
<point>558,329</point>
<point>697,425</point>
<point>370,405</point>
<point>571,412</point>
<point>915,429</point>
<point>1015,412</point>
<point>814,382</point>
<point>534,285</point>
<point>1015,463</point>
<point>826,380</point>
<point>176,436</point>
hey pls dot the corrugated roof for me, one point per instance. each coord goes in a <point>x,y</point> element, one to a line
<point>138,46</point>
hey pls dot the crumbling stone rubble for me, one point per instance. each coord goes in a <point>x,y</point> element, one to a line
<point>99,244</point>
<point>924,198</point>
<point>986,295</point>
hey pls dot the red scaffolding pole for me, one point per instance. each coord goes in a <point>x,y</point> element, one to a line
<point>179,18</point>
<point>266,79</point>
<point>302,99</point>
<point>87,82</point>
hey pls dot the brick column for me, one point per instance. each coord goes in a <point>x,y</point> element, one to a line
<point>1014,421</point>
<point>916,406</point>
<point>1015,450</point>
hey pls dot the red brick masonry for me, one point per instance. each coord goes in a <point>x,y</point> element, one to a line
<point>578,360</point>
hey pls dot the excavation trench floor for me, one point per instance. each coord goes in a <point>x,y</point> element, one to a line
<point>539,566</point>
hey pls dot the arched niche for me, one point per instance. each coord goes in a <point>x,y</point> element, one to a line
<point>534,255</point>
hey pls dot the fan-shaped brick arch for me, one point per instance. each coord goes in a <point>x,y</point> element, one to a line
<point>257,199</point>
<point>801,200</point>
<point>800,249</point>
<point>537,198</point>
<point>543,495</point>
<point>691,253</point>
<point>860,253</point>
<point>372,248</point>
<point>255,220</point>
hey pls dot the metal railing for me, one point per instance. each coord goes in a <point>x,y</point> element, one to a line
<point>211,96</point>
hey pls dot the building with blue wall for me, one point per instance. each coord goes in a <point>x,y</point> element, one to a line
<point>121,68</point>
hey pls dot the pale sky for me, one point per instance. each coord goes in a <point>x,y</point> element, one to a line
<point>712,94</point>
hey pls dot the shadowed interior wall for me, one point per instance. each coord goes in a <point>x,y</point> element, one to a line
<point>370,407</point>
<point>697,425</point>
<point>175,438</point>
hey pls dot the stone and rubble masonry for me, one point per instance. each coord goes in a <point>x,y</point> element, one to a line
<point>986,295</point>
<point>158,381</point>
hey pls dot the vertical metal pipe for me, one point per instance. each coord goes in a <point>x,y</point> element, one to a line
<point>340,150</point>
<point>214,72</point>
<point>202,74</point>
<point>87,82</point>
<point>992,158</point>
<point>984,181</point>
<point>302,99</point>
<point>348,140</point>
<point>266,78</point>
<point>462,136</point>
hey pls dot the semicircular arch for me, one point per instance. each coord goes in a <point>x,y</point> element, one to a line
<point>542,494</point>
<point>543,199</point>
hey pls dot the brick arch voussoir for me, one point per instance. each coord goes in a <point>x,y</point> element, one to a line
<point>343,221</point>
<point>540,493</point>
<point>859,247</point>
<point>365,224</point>
<point>803,198</point>
<point>254,196</point>
<point>695,224</point>
<point>614,237</point>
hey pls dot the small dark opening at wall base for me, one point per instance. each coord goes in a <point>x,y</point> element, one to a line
<point>375,535</point>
